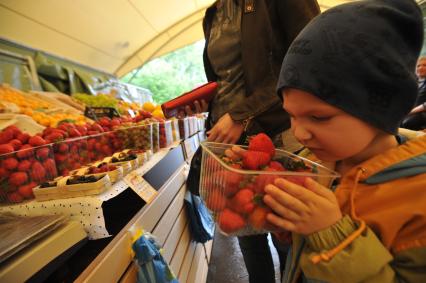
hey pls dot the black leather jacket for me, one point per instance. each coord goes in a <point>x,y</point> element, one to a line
<point>267,29</point>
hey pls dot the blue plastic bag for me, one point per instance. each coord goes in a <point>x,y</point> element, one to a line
<point>152,266</point>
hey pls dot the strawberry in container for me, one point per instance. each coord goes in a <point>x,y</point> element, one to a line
<point>233,180</point>
<point>184,128</point>
<point>155,136</point>
<point>165,134</point>
<point>143,139</point>
<point>23,164</point>
<point>124,135</point>
<point>71,154</point>
<point>99,146</point>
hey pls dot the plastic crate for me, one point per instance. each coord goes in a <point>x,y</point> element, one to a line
<point>219,183</point>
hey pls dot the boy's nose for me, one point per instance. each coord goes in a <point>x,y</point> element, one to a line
<point>301,133</point>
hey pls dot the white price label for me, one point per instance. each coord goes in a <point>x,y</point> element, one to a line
<point>140,186</point>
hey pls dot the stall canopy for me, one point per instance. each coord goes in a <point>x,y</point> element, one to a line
<point>114,36</point>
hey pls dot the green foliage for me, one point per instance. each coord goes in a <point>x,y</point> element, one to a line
<point>172,74</point>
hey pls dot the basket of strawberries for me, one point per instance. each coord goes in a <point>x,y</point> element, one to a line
<point>233,179</point>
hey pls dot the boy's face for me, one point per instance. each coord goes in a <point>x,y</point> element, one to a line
<point>330,133</point>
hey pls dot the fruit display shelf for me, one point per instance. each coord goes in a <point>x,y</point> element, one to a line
<point>87,210</point>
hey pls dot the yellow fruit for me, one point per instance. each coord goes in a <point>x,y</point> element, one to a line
<point>158,113</point>
<point>148,106</point>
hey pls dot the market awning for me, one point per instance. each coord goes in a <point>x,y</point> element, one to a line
<point>115,36</point>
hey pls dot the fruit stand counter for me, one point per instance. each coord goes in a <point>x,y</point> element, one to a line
<point>88,210</point>
<point>166,219</point>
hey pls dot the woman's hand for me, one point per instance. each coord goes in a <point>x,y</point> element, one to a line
<point>303,210</point>
<point>225,130</point>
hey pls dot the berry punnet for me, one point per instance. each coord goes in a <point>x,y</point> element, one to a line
<point>233,188</point>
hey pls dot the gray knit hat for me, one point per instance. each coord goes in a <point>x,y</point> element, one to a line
<point>360,57</point>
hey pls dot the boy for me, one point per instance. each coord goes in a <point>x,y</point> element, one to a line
<point>347,82</point>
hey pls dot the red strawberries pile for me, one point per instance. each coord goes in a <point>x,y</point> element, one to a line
<point>22,170</point>
<point>236,196</point>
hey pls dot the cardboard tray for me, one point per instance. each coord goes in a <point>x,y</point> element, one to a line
<point>62,190</point>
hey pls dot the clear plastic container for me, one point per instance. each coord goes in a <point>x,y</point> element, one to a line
<point>72,154</point>
<point>155,136</point>
<point>184,128</point>
<point>166,134</point>
<point>175,130</point>
<point>23,170</point>
<point>223,188</point>
<point>135,137</point>
<point>100,146</point>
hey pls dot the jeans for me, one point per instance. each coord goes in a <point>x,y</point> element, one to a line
<point>258,258</point>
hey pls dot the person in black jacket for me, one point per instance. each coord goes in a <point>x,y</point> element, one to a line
<point>246,41</point>
<point>416,119</point>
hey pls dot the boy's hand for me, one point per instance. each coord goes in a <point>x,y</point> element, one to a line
<point>226,130</point>
<point>301,210</point>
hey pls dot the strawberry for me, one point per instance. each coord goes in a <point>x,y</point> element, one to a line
<point>6,148</point>
<point>38,172</point>
<point>230,221</point>
<point>18,178</point>
<point>25,151</point>
<point>4,173</point>
<point>50,166</point>
<point>98,147</point>
<point>60,158</point>
<point>81,129</point>
<point>253,160</point>
<point>104,122</point>
<point>62,147</point>
<point>10,163</point>
<point>216,201</point>
<point>55,137</point>
<point>24,166</point>
<point>26,191</point>
<point>16,144</point>
<point>277,166</point>
<point>42,153</point>
<point>257,219</point>
<point>6,136</point>
<point>242,201</point>
<point>261,142</point>
<point>262,180</point>
<point>74,133</point>
<point>36,141</point>
<point>229,180</point>
<point>23,137</point>
<point>115,122</point>
<point>14,197</point>
<point>15,130</point>
<point>96,127</point>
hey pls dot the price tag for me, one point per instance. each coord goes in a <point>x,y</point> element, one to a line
<point>140,186</point>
